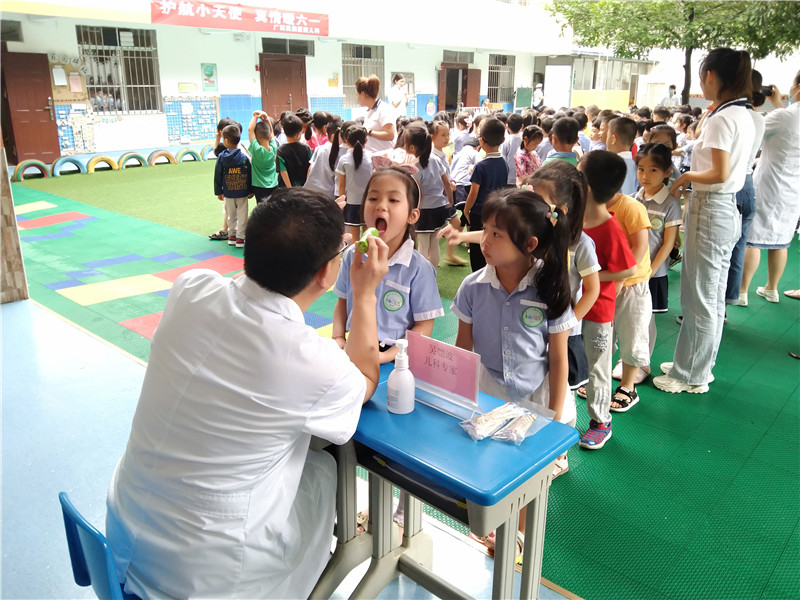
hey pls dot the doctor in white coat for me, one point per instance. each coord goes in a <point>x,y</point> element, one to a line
<point>777,183</point>
<point>218,494</point>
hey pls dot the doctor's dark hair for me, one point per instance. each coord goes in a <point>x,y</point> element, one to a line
<point>290,238</point>
<point>524,214</point>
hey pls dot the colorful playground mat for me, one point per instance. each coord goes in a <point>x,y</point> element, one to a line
<point>111,274</point>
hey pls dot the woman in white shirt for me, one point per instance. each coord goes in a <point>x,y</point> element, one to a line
<point>777,183</point>
<point>380,118</point>
<point>713,224</point>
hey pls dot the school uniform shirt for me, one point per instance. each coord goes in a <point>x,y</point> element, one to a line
<point>321,178</point>
<point>544,149</point>
<point>406,295</point>
<point>632,217</point>
<point>631,184</point>
<point>569,157</point>
<point>582,262</point>
<point>430,182</point>
<point>217,494</point>
<point>511,332</point>
<point>729,128</point>
<point>458,137</point>
<point>463,164</point>
<point>614,255</point>
<point>265,173</point>
<point>294,158</point>
<point>664,210</point>
<point>376,118</point>
<point>508,151</point>
<point>584,142</point>
<point>355,179</point>
<point>490,174</point>
<point>441,156</point>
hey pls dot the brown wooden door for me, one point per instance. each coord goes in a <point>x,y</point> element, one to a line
<point>283,83</point>
<point>26,85</point>
<point>472,88</point>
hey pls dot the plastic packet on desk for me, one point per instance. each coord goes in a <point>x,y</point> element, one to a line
<point>483,426</point>
<point>517,429</point>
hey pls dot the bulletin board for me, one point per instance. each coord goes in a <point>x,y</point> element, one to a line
<point>191,119</point>
<point>67,81</point>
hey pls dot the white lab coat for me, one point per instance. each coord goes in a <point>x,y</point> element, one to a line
<point>217,494</point>
<point>777,179</point>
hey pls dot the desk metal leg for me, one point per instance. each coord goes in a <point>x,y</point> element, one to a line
<point>351,549</point>
<point>505,555</point>
<point>389,558</point>
<point>536,515</point>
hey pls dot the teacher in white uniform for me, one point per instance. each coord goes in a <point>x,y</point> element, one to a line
<point>380,118</point>
<point>777,183</point>
<point>218,494</point>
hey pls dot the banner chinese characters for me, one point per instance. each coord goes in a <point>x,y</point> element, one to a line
<point>219,15</point>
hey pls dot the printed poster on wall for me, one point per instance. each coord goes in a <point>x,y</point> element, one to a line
<point>219,15</point>
<point>209,74</point>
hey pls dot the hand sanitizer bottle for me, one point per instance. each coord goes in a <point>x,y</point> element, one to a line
<point>400,387</point>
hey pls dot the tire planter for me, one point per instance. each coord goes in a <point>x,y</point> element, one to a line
<point>123,160</point>
<point>155,155</point>
<point>96,160</point>
<point>180,156</point>
<point>55,168</point>
<point>19,172</point>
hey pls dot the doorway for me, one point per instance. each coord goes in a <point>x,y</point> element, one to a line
<point>28,121</point>
<point>283,83</point>
<point>459,86</point>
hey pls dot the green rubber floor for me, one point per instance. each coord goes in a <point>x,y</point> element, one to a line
<point>695,496</point>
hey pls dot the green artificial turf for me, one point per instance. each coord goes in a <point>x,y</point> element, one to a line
<point>694,497</point>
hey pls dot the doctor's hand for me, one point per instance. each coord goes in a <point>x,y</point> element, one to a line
<point>366,274</point>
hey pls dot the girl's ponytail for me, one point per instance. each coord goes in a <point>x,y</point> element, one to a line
<point>552,278</point>
<point>335,130</point>
<point>309,132</point>
<point>425,153</point>
<point>358,154</point>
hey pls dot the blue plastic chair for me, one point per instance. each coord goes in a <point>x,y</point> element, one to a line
<point>90,553</point>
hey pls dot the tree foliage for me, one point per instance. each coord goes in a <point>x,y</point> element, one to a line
<point>631,28</point>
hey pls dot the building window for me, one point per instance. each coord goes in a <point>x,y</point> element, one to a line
<point>284,46</point>
<point>456,56</point>
<point>11,31</point>
<point>121,69</point>
<point>501,78</point>
<point>359,60</point>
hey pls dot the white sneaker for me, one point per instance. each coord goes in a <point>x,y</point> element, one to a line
<point>743,299</point>
<point>667,384</point>
<point>768,295</point>
<point>666,367</point>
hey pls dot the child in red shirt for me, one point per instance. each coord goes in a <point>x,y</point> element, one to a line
<point>605,172</point>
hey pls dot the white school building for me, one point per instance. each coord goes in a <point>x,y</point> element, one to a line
<point>96,76</point>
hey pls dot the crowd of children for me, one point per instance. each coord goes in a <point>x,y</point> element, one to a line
<point>569,222</point>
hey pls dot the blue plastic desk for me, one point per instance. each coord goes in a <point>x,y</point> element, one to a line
<point>483,484</point>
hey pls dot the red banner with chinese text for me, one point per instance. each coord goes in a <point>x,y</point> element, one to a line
<point>218,15</point>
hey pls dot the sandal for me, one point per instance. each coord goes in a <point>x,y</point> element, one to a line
<point>581,391</point>
<point>520,547</point>
<point>626,401</point>
<point>487,540</point>
<point>220,235</point>
<point>792,294</point>
<point>561,466</point>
